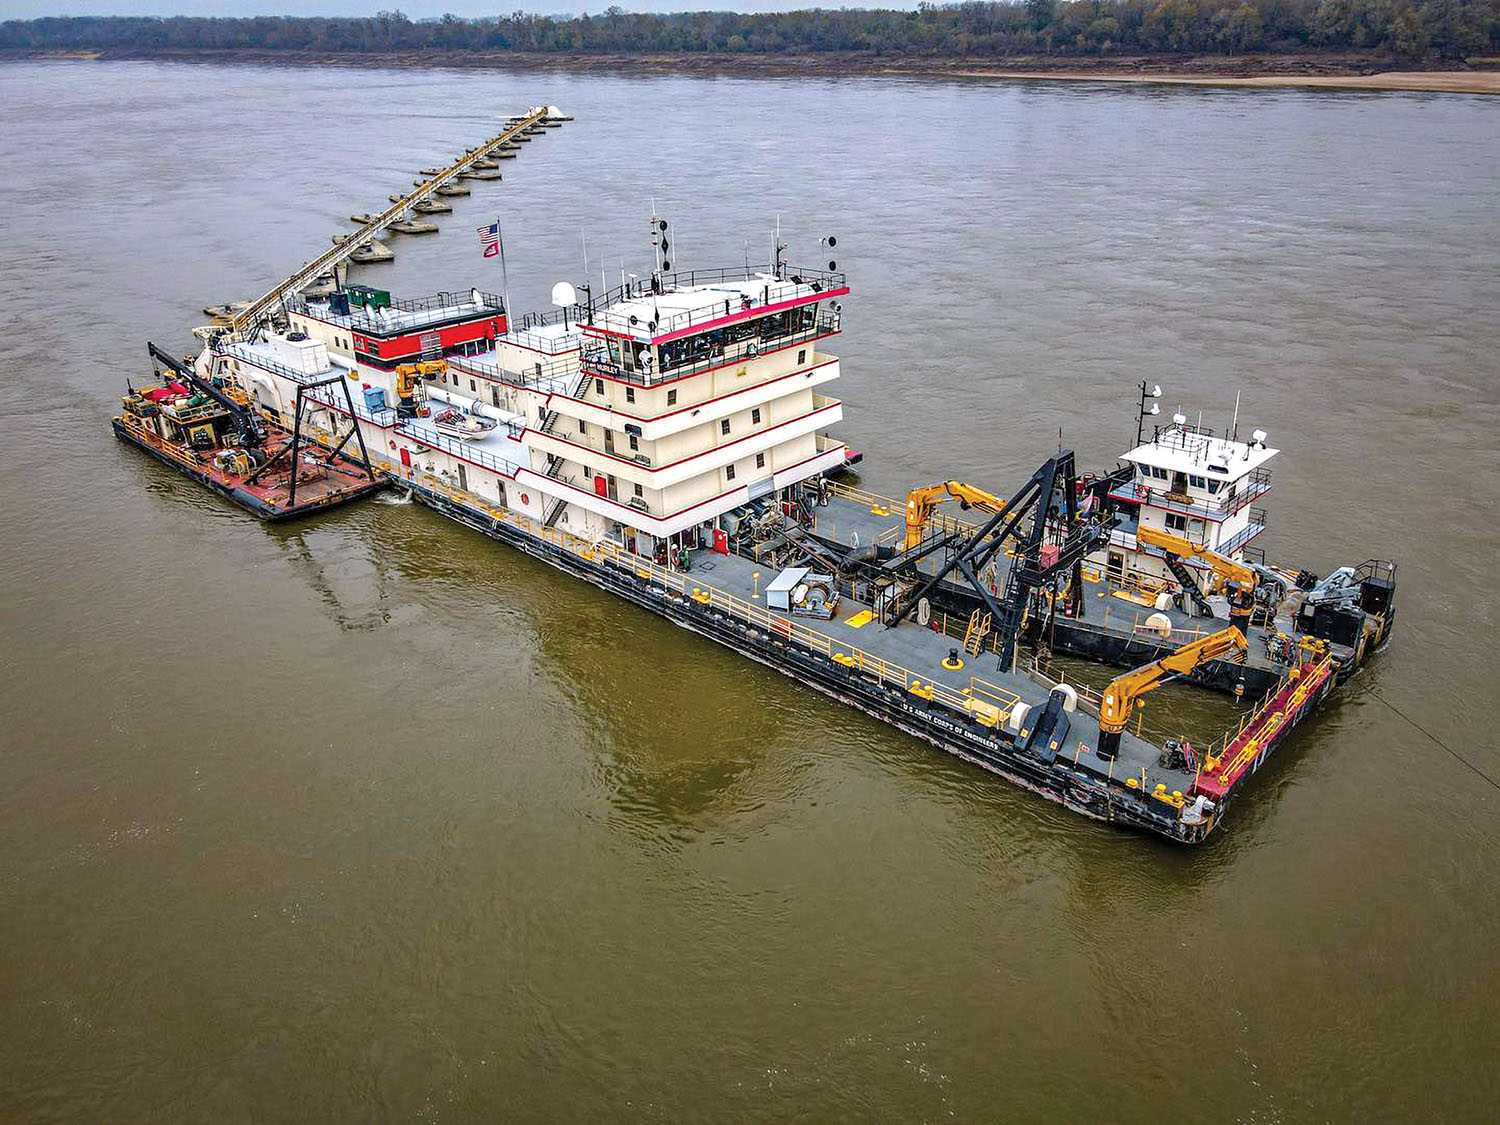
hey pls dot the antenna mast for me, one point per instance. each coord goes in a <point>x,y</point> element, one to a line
<point>660,247</point>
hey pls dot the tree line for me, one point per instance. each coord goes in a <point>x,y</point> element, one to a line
<point>1407,29</point>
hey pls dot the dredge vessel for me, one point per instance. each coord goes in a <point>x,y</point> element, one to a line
<point>668,441</point>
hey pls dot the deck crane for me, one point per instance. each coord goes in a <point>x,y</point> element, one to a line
<point>409,382</point>
<point>920,503</point>
<point>1120,697</point>
<point>1237,580</point>
<point>1050,537</point>
<point>247,424</point>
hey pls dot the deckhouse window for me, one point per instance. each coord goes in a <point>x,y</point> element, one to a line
<point>629,394</point>
<point>729,472</point>
<point>1197,481</point>
<point>755,416</point>
<point>724,427</point>
<point>583,427</point>
<point>672,397</point>
<point>1176,523</point>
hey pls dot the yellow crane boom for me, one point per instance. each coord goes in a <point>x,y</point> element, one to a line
<point>920,503</point>
<point>1225,568</point>
<point>1120,697</point>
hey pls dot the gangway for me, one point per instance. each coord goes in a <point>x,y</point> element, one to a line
<point>261,309</point>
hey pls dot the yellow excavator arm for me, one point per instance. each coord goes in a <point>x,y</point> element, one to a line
<point>1119,698</point>
<point>1225,568</point>
<point>921,501</point>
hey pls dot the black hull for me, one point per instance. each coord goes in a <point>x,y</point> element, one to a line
<point>1074,789</point>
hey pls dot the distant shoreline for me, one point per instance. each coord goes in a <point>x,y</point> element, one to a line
<point>1312,71</point>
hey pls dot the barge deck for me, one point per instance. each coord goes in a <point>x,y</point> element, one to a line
<point>898,675</point>
<point>322,485</point>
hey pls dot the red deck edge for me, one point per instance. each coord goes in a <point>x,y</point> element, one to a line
<point>1273,719</point>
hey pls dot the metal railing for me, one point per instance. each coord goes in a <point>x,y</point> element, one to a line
<point>597,361</point>
<point>322,395</point>
<point>774,290</point>
<point>325,396</point>
<point>539,372</point>
<point>1255,485</point>
<point>438,305</point>
<point>460,449</point>
<point>1308,679</point>
<point>938,522</point>
<point>978,694</point>
<point>1039,669</point>
<point>520,331</point>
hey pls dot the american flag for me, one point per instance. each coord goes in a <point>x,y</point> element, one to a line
<point>489,238</point>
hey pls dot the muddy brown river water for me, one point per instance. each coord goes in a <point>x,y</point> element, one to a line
<point>371,818</point>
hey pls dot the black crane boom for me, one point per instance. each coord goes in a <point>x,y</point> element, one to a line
<point>251,432</point>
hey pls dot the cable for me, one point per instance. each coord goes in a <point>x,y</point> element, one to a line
<point>1438,741</point>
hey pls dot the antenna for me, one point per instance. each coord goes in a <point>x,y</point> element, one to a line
<point>1235,425</point>
<point>660,246</point>
<point>1150,393</point>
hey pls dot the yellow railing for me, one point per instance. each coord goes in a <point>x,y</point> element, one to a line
<point>1213,757</point>
<point>886,505</point>
<point>1137,624</point>
<point>979,697</point>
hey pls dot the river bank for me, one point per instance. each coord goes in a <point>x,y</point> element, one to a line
<point>1358,71</point>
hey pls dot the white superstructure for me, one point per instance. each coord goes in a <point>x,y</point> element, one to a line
<point>699,393</point>
<point>1192,484</point>
<point>643,416</point>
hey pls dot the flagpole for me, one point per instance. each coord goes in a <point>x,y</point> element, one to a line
<point>504,276</point>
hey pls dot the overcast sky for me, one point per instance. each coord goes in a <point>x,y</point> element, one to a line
<point>416,9</point>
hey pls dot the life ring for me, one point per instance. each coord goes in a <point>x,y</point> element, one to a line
<point>525,499</point>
